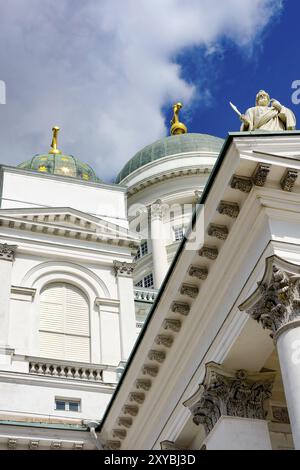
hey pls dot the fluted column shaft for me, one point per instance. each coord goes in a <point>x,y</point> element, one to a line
<point>7,254</point>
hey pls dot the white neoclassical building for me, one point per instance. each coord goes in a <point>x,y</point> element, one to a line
<point>217,364</point>
<point>78,277</point>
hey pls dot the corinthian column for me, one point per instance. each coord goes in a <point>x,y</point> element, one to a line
<point>159,254</point>
<point>276,306</point>
<point>230,406</point>
<point>123,272</point>
<point>7,256</point>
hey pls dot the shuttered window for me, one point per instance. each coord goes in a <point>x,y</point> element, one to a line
<point>64,330</point>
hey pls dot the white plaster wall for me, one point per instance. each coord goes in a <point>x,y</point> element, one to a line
<point>39,400</point>
<point>25,189</point>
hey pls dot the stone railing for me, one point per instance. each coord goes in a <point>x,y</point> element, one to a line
<point>66,369</point>
<point>144,295</point>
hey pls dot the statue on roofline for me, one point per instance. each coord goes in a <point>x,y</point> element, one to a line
<point>268,115</point>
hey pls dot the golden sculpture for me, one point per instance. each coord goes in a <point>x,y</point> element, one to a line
<point>54,150</point>
<point>177,127</point>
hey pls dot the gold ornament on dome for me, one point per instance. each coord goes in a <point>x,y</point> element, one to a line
<point>177,127</point>
<point>54,150</point>
<point>43,168</point>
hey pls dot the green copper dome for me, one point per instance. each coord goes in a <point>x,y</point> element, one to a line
<point>172,145</point>
<point>58,164</point>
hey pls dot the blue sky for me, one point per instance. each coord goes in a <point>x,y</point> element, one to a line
<point>108,71</point>
<point>233,75</point>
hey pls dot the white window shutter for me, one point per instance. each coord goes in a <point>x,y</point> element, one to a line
<point>64,331</point>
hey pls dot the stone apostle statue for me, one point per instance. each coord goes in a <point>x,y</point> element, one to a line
<point>265,117</point>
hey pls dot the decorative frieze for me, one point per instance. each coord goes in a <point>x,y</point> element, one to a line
<point>276,301</point>
<point>149,369</point>
<point>242,183</point>
<point>7,252</point>
<point>231,209</point>
<point>113,445</point>
<point>218,231</point>
<point>260,174</point>
<point>143,384</point>
<point>230,393</point>
<point>198,272</point>
<point>158,356</point>
<point>131,410</point>
<point>210,252</point>
<point>180,307</point>
<point>138,397</point>
<point>121,268</point>
<point>164,340</point>
<point>288,180</point>
<point>124,421</point>
<point>173,325</point>
<point>189,290</point>
<point>119,433</point>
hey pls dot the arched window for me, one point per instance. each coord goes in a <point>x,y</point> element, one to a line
<point>64,330</point>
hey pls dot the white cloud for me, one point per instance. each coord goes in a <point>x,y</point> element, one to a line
<point>103,69</point>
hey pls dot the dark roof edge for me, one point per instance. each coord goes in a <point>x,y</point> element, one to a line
<point>202,200</point>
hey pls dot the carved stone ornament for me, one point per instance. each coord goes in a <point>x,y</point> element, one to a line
<point>231,209</point>
<point>78,446</point>
<point>55,445</point>
<point>34,444</point>
<point>123,269</point>
<point>119,433</point>
<point>173,325</point>
<point>131,410</point>
<point>113,445</point>
<point>150,370</point>
<point>189,290</point>
<point>230,393</point>
<point>276,301</point>
<point>124,421</point>
<point>158,356</point>
<point>210,252</point>
<point>12,443</point>
<point>168,445</point>
<point>143,384</point>
<point>198,272</point>
<point>7,252</point>
<point>260,174</point>
<point>164,340</point>
<point>243,183</point>
<point>218,231</point>
<point>288,180</point>
<point>180,307</point>
<point>158,209</point>
<point>138,397</point>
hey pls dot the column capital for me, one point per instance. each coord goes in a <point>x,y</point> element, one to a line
<point>158,209</point>
<point>121,268</point>
<point>275,304</point>
<point>7,252</point>
<point>229,393</point>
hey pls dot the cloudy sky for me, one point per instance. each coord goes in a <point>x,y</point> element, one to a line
<point>108,71</point>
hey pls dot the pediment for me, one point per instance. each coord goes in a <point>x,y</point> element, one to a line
<point>66,222</point>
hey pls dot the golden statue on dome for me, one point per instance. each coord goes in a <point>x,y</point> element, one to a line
<point>54,150</point>
<point>177,127</point>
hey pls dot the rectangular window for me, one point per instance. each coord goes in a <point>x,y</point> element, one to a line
<point>142,251</point>
<point>67,405</point>
<point>139,284</point>
<point>178,232</point>
<point>148,281</point>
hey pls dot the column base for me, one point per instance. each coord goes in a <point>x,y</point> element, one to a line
<point>233,433</point>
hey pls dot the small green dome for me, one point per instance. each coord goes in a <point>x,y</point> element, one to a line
<point>171,145</point>
<point>64,165</point>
